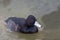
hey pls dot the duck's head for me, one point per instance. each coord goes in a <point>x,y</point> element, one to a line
<point>30,20</point>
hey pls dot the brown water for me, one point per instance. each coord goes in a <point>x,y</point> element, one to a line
<point>51,22</point>
<point>51,31</point>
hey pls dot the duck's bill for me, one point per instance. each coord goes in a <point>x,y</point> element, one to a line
<point>37,24</point>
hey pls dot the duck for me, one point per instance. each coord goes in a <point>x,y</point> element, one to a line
<point>28,25</point>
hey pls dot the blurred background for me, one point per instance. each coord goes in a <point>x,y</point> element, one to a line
<point>47,13</point>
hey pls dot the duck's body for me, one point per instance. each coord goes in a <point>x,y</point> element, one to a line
<point>19,21</point>
<point>33,29</point>
<point>13,23</point>
<point>20,25</point>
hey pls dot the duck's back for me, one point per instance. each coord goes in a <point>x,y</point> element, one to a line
<point>19,21</point>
